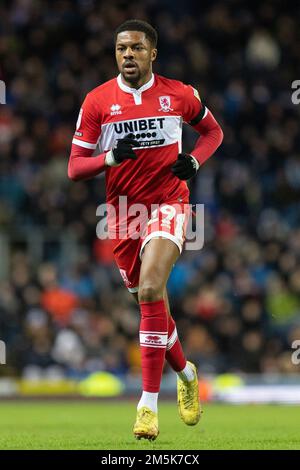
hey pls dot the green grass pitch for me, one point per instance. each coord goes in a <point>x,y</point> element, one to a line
<point>108,425</point>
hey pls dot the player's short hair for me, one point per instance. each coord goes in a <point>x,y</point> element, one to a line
<point>139,25</point>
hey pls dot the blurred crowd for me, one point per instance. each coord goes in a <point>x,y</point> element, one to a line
<point>63,308</point>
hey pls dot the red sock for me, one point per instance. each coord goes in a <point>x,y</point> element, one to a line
<point>153,341</point>
<point>174,352</point>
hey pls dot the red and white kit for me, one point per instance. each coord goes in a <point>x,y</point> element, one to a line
<point>153,115</point>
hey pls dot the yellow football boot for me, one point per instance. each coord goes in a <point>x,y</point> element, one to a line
<point>146,425</point>
<point>188,399</point>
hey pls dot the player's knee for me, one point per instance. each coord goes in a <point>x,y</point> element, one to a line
<point>150,292</point>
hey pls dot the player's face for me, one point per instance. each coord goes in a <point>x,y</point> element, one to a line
<point>134,55</point>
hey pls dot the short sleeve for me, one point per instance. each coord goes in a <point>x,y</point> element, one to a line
<point>192,107</point>
<point>88,125</point>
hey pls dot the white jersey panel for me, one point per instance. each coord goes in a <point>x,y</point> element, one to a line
<point>151,132</point>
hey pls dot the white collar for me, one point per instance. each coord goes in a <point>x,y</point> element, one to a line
<point>138,91</point>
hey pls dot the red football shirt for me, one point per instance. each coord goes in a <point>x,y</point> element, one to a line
<point>153,115</point>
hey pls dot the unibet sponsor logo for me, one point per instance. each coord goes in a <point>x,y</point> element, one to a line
<point>142,129</point>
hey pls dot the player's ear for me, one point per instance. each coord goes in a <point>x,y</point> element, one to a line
<point>153,54</point>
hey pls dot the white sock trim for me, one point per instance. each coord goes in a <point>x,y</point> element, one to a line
<point>148,399</point>
<point>172,339</point>
<point>153,339</point>
<point>187,374</point>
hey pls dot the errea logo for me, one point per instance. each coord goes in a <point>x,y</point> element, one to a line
<point>153,339</point>
<point>115,109</point>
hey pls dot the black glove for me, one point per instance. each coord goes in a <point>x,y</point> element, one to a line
<point>185,167</point>
<point>122,151</point>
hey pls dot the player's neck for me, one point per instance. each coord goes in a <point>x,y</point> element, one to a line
<point>140,83</point>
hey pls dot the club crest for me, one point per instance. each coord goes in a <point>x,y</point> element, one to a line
<point>165,104</point>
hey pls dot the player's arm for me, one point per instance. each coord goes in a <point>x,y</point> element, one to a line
<point>202,120</point>
<point>82,167</point>
<point>81,163</point>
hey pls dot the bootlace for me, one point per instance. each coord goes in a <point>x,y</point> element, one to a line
<point>187,395</point>
<point>146,416</point>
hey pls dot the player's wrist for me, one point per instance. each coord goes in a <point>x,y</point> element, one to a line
<point>186,166</point>
<point>196,163</point>
<point>110,159</point>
